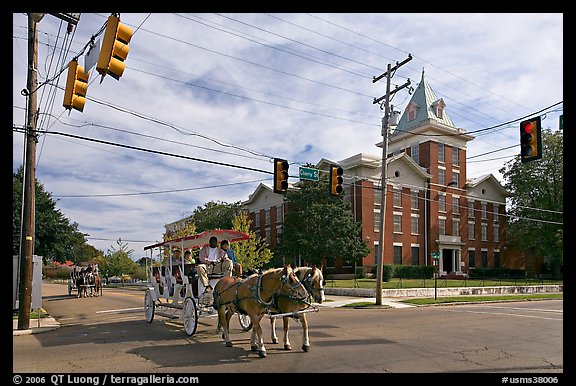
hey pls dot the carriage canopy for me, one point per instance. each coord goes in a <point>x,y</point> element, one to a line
<point>201,239</point>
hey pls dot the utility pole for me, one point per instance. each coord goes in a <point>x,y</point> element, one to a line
<point>385,128</point>
<point>27,231</point>
<point>29,183</point>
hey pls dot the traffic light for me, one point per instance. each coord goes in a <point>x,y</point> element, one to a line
<point>530,140</point>
<point>114,48</point>
<point>76,87</point>
<point>280,175</point>
<point>336,180</point>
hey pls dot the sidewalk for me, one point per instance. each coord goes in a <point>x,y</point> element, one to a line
<point>46,324</point>
<point>339,301</point>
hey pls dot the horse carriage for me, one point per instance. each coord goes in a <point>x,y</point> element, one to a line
<point>86,280</point>
<point>175,292</point>
<point>174,289</point>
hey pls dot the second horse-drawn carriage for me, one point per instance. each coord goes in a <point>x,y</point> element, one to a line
<point>86,280</point>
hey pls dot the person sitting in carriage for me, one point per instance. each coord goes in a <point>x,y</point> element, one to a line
<point>213,260</point>
<point>236,267</point>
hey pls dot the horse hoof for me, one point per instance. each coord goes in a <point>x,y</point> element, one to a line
<point>274,341</point>
<point>228,344</point>
<point>254,348</point>
<point>262,354</point>
<point>287,347</point>
<point>305,348</point>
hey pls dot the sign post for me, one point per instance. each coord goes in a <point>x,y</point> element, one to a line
<point>435,258</point>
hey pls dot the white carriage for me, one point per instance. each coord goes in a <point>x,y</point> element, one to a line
<point>174,289</point>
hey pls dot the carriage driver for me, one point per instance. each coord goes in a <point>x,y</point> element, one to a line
<point>213,260</point>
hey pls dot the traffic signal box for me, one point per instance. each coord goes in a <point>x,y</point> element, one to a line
<point>280,175</point>
<point>114,48</point>
<point>336,180</point>
<point>76,87</point>
<point>530,140</point>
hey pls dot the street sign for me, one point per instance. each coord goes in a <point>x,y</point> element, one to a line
<point>435,255</point>
<point>309,174</point>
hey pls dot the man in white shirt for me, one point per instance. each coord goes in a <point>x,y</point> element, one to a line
<point>213,260</point>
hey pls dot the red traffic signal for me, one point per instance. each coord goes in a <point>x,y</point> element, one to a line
<point>530,140</point>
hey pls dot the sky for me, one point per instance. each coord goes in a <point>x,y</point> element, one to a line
<point>207,101</point>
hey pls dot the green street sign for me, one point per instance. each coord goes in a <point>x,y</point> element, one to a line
<point>309,174</point>
<point>435,255</point>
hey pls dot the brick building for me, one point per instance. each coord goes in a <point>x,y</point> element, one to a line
<point>431,206</point>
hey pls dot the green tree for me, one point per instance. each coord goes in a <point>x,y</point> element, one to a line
<point>536,205</point>
<point>319,226</point>
<point>118,261</point>
<point>56,238</point>
<point>215,215</point>
<point>251,254</point>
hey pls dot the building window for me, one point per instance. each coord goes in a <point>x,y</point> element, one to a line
<point>471,258</point>
<point>398,254</point>
<point>455,177</point>
<point>471,235</point>
<point>267,212</point>
<point>496,233</point>
<point>484,259</point>
<point>280,214</point>
<point>397,223</point>
<point>442,203</point>
<point>377,197</point>
<point>377,220</point>
<point>455,226</point>
<point>496,210</point>
<point>398,197</point>
<point>414,199</point>
<point>414,221</point>
<point>256,219</point>
<point>415,153</point>
<point>442,176</point>
<point>455,161</point>
<point>484,229</point>
<point>484,214</point>
<point>455,206</point>
<point>415,255</point>
<point>470,208</point>
<point>496,259</point>
<point>441,226</point>
<point>440,152</point>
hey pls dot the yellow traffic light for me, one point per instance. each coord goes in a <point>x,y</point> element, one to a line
<point>76,87</point>
<point>114,48</point>
<point>530,139</point>
<point>280,175</point>
<point>336,180</point>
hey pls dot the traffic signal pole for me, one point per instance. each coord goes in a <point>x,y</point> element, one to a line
<point>385,128</point>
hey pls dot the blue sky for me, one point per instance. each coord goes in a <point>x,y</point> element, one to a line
<point>241,89</point>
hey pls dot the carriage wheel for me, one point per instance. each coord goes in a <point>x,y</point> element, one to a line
<point>149,306</point>
<point>189,316</point>
<point>245,322</point>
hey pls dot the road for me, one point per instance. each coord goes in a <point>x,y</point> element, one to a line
<point>109,334</point>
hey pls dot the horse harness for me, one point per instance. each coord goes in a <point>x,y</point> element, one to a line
<point>272,304</point>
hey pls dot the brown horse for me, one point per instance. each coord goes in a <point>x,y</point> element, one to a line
<point>255,296</point>
<point>312,279</point>
<point>98,285</point>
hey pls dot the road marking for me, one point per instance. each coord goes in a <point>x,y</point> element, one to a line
<point>121,310</point>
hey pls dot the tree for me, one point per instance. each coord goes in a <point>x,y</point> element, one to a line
<point>251,254</point>
<point>118,261</point>
<point>55,237</point>
<point>215,215</point>
<point>318,226</point>
<point>536,205</point>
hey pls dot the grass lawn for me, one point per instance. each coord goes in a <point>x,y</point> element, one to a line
<point>396,283</point>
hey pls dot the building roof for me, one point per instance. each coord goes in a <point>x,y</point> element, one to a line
<point>424,99</point>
